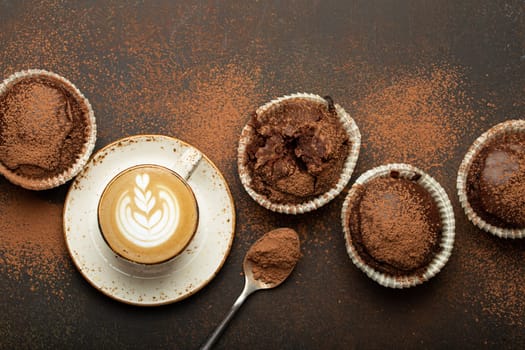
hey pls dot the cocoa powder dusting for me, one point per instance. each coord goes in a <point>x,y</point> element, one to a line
<point>417,117</point>
<point>32,242</point>
<point>274,255</point>
<point>213,110</point>
<point>499,290</point>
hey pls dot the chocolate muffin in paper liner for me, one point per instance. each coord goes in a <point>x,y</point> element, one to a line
<point>398,225</point>
<point>47,129</point>
<point>297,153</point>
<point>491,180</point>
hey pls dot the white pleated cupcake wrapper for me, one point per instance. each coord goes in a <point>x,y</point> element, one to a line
<point>349,165</point>
<point>507,127</point>
<point>47,183</point>
<point>447,220</point>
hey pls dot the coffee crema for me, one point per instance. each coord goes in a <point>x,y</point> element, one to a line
<point>148,214</point>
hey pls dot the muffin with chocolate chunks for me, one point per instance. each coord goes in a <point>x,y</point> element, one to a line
<point>296,153</point>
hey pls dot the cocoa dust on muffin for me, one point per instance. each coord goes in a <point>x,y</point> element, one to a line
<point>395,225</point>
<point>46,126</point>
<point>495,184</point>
<point>298,150</point>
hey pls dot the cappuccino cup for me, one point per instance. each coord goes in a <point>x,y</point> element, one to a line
<point>148,214</point>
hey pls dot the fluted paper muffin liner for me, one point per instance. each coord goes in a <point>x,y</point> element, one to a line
<point>447,220</point>
<point>507,127</point>
<point>354,137</point>
<point>83,156</point>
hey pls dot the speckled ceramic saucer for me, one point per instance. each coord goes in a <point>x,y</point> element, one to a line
<point>158,284</point>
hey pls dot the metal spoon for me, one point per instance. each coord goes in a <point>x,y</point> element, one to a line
<point>250,285</point>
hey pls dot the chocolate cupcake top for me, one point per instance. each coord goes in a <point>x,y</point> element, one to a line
<point>298,150</point>
<point>43,127</point>
<point>495,183</point>
<point>395,225</point>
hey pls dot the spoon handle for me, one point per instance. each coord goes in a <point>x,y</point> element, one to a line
<point>222,326</point>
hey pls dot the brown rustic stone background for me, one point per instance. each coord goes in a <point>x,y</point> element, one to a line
<point>422,79</point>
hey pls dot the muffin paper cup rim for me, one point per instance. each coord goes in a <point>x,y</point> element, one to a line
<point>510,127</point>
<point>89,144</point>
<point>353,134</point>
<point>447,218</point>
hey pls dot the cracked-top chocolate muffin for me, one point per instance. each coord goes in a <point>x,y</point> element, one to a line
<point>495,184</point>
<point>395,225</point>
<point>47,129</point>
<point>298,150</point>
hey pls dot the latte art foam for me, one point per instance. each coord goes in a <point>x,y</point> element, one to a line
<point>150,215</point>
<point>147,214</point>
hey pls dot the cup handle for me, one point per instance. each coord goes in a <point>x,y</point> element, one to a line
<point>188,162</point>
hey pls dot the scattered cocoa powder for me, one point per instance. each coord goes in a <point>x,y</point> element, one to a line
<point>491,278</point>
<point>212,112</point>
<point>416,117</point>
<point>32,241</point>
<point>274,255</point>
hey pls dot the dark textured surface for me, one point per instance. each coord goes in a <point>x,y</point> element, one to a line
<point>196,71</point>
